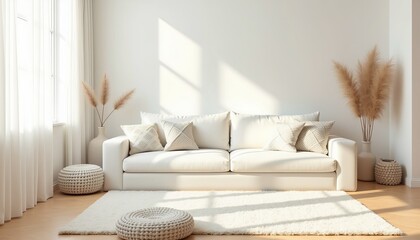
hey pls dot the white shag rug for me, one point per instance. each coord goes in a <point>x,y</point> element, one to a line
<point>236,212</point>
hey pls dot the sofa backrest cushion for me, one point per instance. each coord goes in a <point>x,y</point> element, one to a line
<point>253,131</point>
<point>210,131</point>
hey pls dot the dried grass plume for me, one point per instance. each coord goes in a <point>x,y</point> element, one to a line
<point>90,95</point>
<point>369,91</point>
<point>105,90</point>
<point>350,87</point>
<point>123,99</point>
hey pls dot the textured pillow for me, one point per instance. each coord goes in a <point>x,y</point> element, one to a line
<point>210,131</point>
<point>253,131</point>
<point>314,137</point>
<point>285,136</point>
<point>142,137</point>
<point>179,136</point>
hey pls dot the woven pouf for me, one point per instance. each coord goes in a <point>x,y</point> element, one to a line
<point>81,179</point>
<point>388,172</point>
<point>155,223</point>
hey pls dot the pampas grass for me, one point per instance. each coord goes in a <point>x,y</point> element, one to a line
<point>369,91</point>
<point>122,100</point>
<point>90,95</point>
<point>104,94</point>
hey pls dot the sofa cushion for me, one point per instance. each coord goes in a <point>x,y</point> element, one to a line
<point>142,137</point>
<point>284,137</point>
<point>258,160</point>
<point>314,137</point>
<point>202,160</point>
<point>210,131</point>
<point>179,136</point>
<point>253,131</point>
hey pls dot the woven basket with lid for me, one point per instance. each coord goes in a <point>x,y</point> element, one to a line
<point>388,172</point>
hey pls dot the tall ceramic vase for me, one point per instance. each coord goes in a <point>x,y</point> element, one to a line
<point>95,148</point>
<point>366,163</point>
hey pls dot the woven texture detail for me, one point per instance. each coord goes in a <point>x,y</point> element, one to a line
<point>314,137</point>
<point>81,179</point>
<point>285,137</point>
<point>179,136</point>
<point>155,223</point>
<point>142,137</point>
<point>388,172</point>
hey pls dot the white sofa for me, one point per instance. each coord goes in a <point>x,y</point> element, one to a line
<point>229,158</point>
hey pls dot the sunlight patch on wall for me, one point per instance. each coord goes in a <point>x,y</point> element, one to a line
<point>177,95</point>
<point>179,71</point>
<point>240,94</point>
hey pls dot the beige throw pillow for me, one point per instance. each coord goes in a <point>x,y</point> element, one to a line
<point>179,135</point>
<point>142,137</point>
<point>314,137</point>
<point>285,136</point>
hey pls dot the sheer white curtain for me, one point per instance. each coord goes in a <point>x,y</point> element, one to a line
<point>79,115</point>
<point>26,107</point>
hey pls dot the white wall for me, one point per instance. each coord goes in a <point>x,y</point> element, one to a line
<point>415,182</point>
<point>271,56</point>
<point>401,96</point>
<point>404,24</point>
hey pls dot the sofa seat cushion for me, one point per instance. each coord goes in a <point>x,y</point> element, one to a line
<point>201,160</point>
<point>258,160</point>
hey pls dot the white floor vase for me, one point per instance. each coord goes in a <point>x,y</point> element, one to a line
<point>366,161</point>
<point>95,147</point>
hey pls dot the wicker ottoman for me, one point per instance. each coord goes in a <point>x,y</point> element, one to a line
<point>81,179</point>
<point>155,223</point>
<point>388,172</point>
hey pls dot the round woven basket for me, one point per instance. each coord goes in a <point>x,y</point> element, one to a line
<point>81,179</point>
<point>156,223</point>
<point>388,172</point>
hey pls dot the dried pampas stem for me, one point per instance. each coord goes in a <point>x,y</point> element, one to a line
<point>90,95</point>
<point>104,94</point>
<point>380,89</point>
<point>92,99</point>
<point>368,93</point>
<point>349,86</point>
<point>121,102</point>
<point>367,71</point>
<point>105,90</point>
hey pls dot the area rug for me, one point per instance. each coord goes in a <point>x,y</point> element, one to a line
<point>235,212</point>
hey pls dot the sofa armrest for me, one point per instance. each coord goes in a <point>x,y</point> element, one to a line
<point>344,151</point>
<point>114,151</point>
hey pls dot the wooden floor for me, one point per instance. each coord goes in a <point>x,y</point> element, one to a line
<point>399,205</point>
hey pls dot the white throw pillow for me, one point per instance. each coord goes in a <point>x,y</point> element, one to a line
<point>285,136</point>
<point>314,137</point>
<point>179,136</point>
<point>142,137</point>
<point>253,131</point>
<point>210,131</point>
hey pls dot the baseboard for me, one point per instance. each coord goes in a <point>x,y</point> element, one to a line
<point>415,182</point>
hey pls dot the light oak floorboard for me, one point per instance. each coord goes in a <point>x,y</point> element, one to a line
<point>399,205</point>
